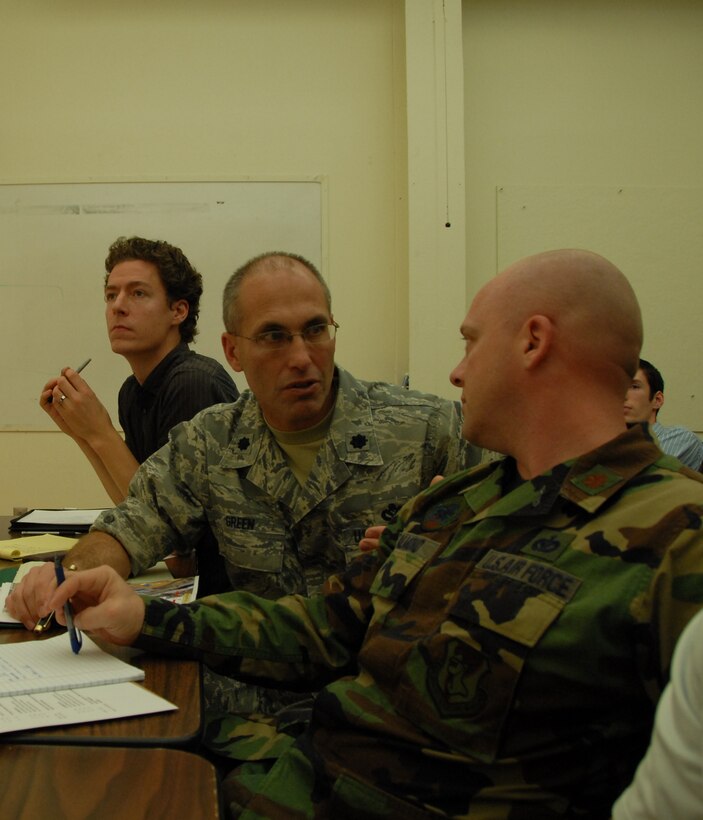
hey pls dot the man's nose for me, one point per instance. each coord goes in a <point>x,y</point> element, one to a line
<point>298,352</point>
<point>119,303</point>
<point>456,378</point>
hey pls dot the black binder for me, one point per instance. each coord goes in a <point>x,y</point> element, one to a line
<point>61,521</point>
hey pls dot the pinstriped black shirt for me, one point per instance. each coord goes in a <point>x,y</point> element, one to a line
<point>182,384</point>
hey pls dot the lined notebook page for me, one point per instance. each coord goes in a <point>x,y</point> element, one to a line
<point>45,666</point>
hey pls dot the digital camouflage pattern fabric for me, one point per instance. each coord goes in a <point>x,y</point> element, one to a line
<point>223,475</point>
<point>223,472</point>
<point>499,657</point>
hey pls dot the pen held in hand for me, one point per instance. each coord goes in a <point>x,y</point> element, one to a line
<point>78,370</point>
<point>73,633</point>
<point>44,623</point>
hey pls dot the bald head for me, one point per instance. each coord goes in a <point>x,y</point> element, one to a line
<point>595,313</point>
<point>551,346</point>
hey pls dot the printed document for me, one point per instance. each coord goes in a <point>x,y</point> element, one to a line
<point>43,683</point>
<point>113,700</point>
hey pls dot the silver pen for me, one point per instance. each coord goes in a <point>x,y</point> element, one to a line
<point>78,370</point>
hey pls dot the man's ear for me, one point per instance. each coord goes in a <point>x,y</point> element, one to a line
<point>180,310</point>
<point>230,347</point>
<point>658,400</point>
<point>535,339</point>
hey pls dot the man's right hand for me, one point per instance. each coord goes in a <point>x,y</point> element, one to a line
<point>92,550</point>
<point>103,603</point>
<point>26,601</point>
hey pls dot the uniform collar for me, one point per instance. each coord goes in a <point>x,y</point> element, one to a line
<point>351,431</point>
<point>587,481</point>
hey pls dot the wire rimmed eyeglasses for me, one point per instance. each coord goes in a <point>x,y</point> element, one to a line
<point>317,334</point>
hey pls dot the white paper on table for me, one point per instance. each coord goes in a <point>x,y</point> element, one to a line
<point>43,666</point>
<point>58,708</point>
<point>66,517</point>
<point>5,617</point>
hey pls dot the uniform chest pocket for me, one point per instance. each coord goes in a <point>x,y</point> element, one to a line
<point>258,549</point>
<point>462,678</point>
<point>353,512</point>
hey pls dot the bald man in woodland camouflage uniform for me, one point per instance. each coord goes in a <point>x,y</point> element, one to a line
<point>501,654</point>
<point>284,482</point>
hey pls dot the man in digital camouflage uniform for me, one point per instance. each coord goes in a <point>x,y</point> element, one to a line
<point>284,482</point>
<point>500,655</point>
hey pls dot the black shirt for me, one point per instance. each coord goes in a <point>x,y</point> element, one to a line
<point>182,384</point>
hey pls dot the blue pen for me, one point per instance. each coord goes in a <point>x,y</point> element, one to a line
<point>73,633</point>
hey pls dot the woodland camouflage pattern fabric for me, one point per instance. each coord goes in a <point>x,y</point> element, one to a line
<point>224,482</point>
<point>499,657</point>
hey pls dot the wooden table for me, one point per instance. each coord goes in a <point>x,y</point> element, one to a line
<point>179,681</point>
<point>76,783</point>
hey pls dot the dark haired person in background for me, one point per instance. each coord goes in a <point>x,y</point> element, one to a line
<point>643,401</point>
<point>152,300</point>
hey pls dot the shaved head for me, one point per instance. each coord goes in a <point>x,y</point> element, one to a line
<point>590,302</point>
<point>551,346</point>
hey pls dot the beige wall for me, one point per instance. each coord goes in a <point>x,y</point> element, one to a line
<point>553,94</point>
<point>592,114</point>
<point>119,90</point>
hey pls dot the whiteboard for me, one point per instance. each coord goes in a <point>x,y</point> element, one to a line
<point>53,242</point>
<point>655,236</point>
